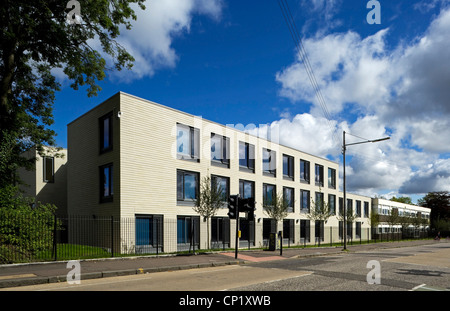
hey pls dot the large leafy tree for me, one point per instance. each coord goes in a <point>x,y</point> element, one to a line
<point>439,202</point>
<point>37,37</point>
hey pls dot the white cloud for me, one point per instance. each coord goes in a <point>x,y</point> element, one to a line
<point>150,40</point>
<point>402,92</point>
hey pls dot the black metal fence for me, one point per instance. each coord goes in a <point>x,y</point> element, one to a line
<point>28,238</point>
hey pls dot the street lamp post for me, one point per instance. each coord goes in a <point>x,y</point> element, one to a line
<point>344,148</point>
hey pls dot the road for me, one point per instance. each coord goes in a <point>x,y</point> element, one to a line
<point>424,267</point>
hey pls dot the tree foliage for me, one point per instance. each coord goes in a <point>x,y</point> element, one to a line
<point>209,200</point>
<point>277,207</point>
<point>37,38</point>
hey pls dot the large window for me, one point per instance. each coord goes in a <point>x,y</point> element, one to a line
<point>319,202</point>
<point>187,186</point>
<point>288,167</point>
<point>331,178</point>
<point>188,142</point>
<point>304,201</point>
<point>304,171</point>
<point>220,150</point>
<point>246,189</point>
<point>246,156</point>
<point>49,169</point>
<point>288,195</point>
<point>366,209</point>
<point>269,162</point>
<point>106,132</point>
<point>188,232</point>
<point>223,184</point>
<point>332,203</point>
<point>269,192</point>
<point>358,208</point>
<point>319,175</point>
<point>106,183</point>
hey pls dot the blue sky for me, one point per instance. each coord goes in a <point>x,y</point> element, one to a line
<point>235,62</point>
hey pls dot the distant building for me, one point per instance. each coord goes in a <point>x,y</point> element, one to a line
<point>401,218</point>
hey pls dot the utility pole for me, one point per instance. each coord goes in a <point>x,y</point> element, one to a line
<point>344,148</point>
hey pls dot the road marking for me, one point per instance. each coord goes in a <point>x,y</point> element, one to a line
<point>424,287</point>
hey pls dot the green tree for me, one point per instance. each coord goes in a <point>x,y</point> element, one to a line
<point>321,212</point>
<point>36,37</point>
<point>276,208</point>
<point>211,197</point>
<point>439,203</point>
<point>406,200</point>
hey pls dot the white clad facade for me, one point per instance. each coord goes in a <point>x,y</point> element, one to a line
<point>136,159</point>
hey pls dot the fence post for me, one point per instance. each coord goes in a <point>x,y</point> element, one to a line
<point>112,236</point>
<point>55,247</point>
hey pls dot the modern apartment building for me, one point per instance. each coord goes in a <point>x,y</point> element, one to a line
<point>136,159</point>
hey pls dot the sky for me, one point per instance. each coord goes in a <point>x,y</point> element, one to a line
<point>235,62</point>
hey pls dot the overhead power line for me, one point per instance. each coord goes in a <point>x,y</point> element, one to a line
<point>287,15</point>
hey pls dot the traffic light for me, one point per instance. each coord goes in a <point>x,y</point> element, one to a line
<point>248,206</point>
<point>233,206</point>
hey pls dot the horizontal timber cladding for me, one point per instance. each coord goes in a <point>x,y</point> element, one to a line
<point>145,160</point>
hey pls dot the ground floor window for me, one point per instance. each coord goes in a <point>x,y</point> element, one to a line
<point>220,232</point>
<point>188,232</point>
<point>304,231</point>
<point>149,233</point>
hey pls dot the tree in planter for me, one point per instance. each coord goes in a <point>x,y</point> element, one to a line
<point>211,197</point>
<point>321,212</point>
<point>350,218</point>
<point>276,208</point>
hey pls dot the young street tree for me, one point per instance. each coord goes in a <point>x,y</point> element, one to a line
<point>212,196</point>
<point>320,213</point>
<point>276,207</point>
<point>37,37</point>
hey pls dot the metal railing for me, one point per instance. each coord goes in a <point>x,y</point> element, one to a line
<point>28,238</point>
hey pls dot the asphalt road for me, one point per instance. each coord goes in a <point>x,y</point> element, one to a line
<point>425,267</point>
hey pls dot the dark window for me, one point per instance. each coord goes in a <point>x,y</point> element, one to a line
<point>319,175</point>
<point>319,203</point>
<point>106,132</point>
<point>246,156</point>
<point>220,150</point>
<point>269,192</point>
<point>246,189</point>
<point>222,184</point>
<point>366,209</point>
<point>304,203</point>
<point>288,194</point>
<point>288,167</point>
<point>304,171</point>
<point>304,231</point>
<point>332,203</point>
<point>106,183</point>
<point>187,185</point>
<point>49,169</point>
<point>269,162</point>
<point>188,232</point>
<point>358,208</point>
<point>331,178</point>
<point>188,142</point>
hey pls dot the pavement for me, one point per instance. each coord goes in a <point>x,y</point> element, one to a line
<point>14,275</point>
